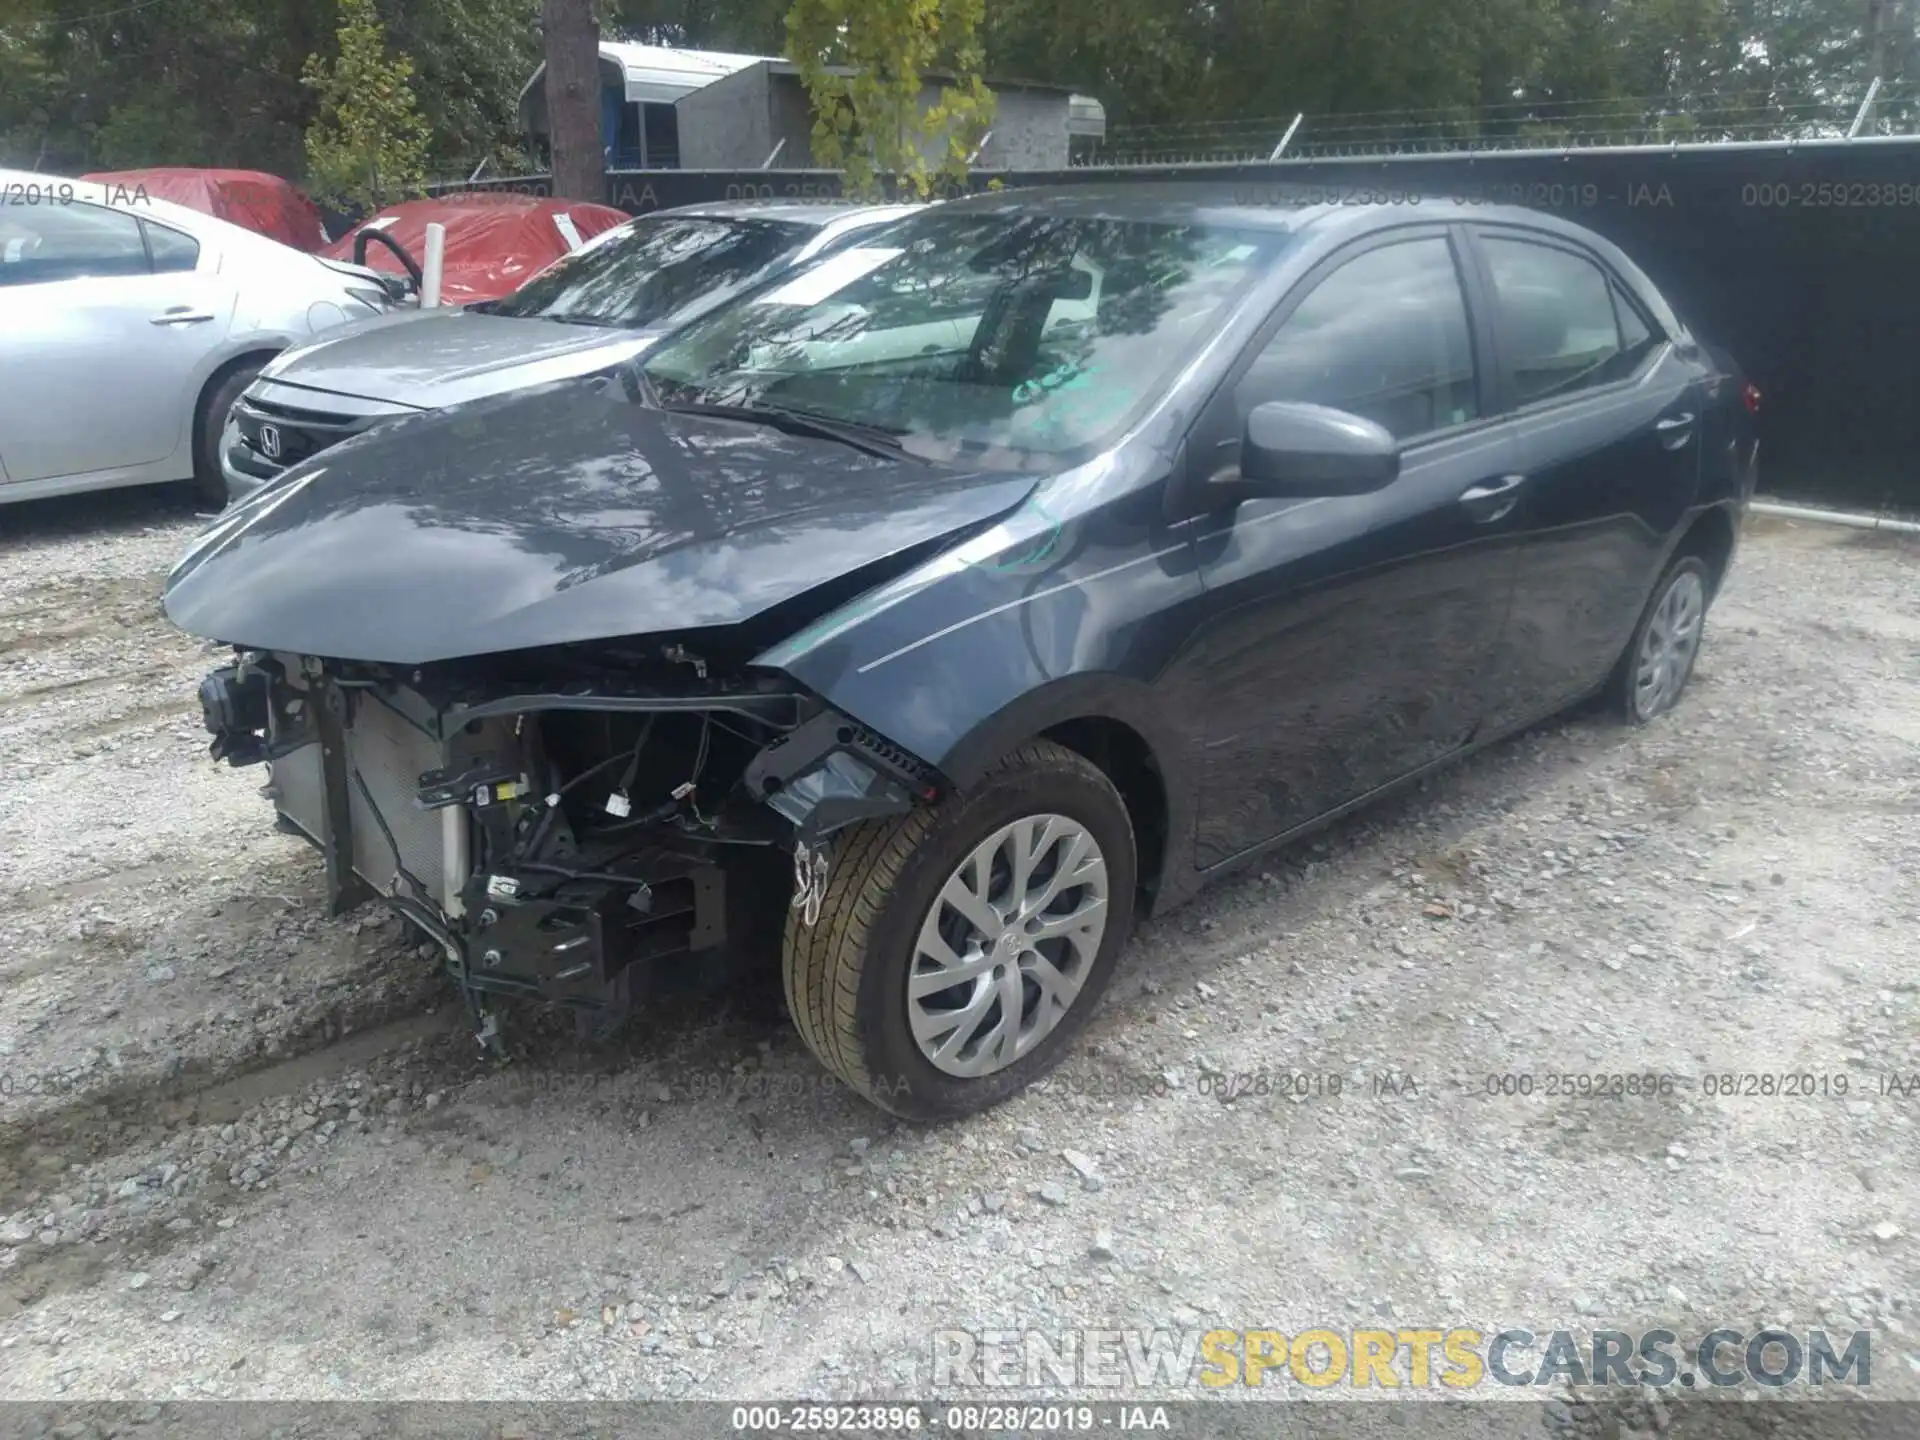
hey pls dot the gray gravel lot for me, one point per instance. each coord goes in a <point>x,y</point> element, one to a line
<point>244,1151</point>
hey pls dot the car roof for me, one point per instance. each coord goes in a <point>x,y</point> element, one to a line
<point>1253,204</point>
<point>181,217</point>
<point>1298,208</point>
<point>817,214</point>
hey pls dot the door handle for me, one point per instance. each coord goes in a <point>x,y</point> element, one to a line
<point>181,315</point>
<point>1492,499</point>
<point>1675,430</point>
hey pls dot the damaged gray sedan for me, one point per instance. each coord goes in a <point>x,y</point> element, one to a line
<point>927,614</point>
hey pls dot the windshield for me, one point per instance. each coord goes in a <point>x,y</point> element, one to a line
<point>642,273</point>
<point>996,337</point>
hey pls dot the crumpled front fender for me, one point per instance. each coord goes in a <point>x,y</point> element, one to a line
<point>1026,626</point>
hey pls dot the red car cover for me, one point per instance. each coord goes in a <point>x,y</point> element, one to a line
<point>496,240</point>
<point>265,204</point>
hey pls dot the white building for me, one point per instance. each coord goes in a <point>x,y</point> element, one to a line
<point>666,108</point>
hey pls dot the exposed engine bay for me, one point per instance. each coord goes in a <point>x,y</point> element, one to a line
<point>566,825</point>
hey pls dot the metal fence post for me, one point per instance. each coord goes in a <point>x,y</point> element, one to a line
<point>1288,136</point>
<point>1860,117</point>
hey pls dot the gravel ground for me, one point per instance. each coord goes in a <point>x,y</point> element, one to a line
<point>245,1153</point>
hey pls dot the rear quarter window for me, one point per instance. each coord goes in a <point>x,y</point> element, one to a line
<point>171,250</point>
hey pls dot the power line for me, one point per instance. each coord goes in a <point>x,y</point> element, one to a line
<point>60,20</point>
<point>1671,118</point>
<point>1674,119</point>
<point>1503,109</point>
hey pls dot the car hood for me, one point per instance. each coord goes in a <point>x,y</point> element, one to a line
<point>429,359</point>
<point>565,514</point>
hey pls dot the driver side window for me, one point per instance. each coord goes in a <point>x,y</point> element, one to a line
<point>1384,337</point>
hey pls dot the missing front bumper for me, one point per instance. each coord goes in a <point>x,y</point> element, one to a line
<point>463,815</point>
<point>421,821</point>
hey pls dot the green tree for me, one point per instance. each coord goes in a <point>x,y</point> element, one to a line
<point>865,64</point>
<point>471,57</point>
<point>89,84</point>
<point>368,145</point>
<point>190,82</point>
<point>1144,59</point>
<point>739,27</point>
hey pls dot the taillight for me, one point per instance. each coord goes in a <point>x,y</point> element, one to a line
<point>1750,397</point>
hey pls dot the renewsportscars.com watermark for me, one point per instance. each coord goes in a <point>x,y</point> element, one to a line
<point>1452,1359</point>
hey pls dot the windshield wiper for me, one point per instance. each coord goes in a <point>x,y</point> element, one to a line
<point>873,439</point>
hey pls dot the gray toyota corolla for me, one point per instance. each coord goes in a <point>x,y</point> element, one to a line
<point>950,602</point>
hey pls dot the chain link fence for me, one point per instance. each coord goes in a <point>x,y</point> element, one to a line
<point>1709,118</point>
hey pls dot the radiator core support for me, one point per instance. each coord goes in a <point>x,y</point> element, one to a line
<point>361,774</point>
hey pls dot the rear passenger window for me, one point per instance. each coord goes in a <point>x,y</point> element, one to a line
<point>41,243</point>
<point>1564,327</point>
<point>1384,337</point>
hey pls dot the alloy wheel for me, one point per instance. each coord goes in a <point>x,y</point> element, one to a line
<point>1007,944</point>
<point>1668,644</point>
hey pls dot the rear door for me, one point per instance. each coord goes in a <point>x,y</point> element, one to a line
<point>1610,419</point>
<point>106,319</point>
<point>1351,634</point>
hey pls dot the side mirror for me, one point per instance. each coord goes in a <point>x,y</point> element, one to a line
<point>1292,449</point>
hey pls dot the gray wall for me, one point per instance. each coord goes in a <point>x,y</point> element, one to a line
<point>792,119</point>
<point>1029,131</point>
<point>726,126</point>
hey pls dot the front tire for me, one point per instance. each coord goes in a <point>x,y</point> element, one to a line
<point>959,950</point>
<point>209,485</point>
<point>1658,662</point>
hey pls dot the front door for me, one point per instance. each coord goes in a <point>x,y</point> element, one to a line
<point>1351,634</point>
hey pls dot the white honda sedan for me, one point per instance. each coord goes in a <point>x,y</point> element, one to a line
<point>129,326</point>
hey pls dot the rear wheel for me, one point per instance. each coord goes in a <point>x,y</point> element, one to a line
<point>209,486</point>
<point>1659,659</point>
<point>959,950</point>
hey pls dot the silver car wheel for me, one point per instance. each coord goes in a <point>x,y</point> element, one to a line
<point>1668,645</point>
<point>1007,944</point>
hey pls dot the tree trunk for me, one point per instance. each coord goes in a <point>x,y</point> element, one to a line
<point>573,99</point>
